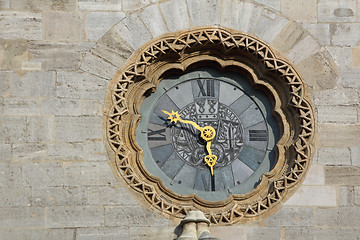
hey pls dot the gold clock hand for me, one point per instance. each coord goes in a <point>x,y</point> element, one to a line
<point>210,159</point>
<point>175,116</point>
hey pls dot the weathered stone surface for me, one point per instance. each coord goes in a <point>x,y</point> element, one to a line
<point>61,107</point>
<point>31,66</point>
<point>139,34</point>
<point>292,216</point>
<point>306,47</point>
<point>15,197</point>
<point>204,13</point>
<point>355,56</point>
<point>336,135</point>
<point>334,156</point>
<point>101,233</point>
<point>357,195</point>
<point>341,56</point>
<point>21,106</point>
<point>34,84</point>
<point>92,108</point>
<point>63,26</point>
<point>153,20</point>
<point>108,195</point>
<point>29,152</point>
<point>39,129</point>
<point>80,85</point>
<point>319,31</point>
<point>88,174</point>
<point>95,150</point>
<point>114,46</point>
<point>152,232</point>
<point>97,66</point>
<point>323,196</point>
<point>355,156</point>
<point>20,25</point>
<point>77,129</point>
<point>66,151</point>
<point>134,216</point>
<point>4,4</point>
<point>98,23</point>
<point>345,34</point>
<point>342,175</point>
<point>43,174</point>
<point>38,234</point>
<point>337,114</point>
<point>41,5</point>
<point>291,34</point>
<point>75,216</point>
<point>275,4</point>
<point>10,175</point>
<point>349,77</point>
<point>337,10</point>
<point>224,232</point>
<point>5,78</point>
<point>319,233</point>
<point>300,11</point>
<point>133,5</point>
<point>22,216</point>
<point>59,196</point>
<point>12,53</point>
<point>269,26</point>
<point>343,216</point>
<point>5,150</point>
<point>100,5</point>
<point>344,97</point>
<point>13,129</point>
<point>269,233</point>
<point>56,55</point>
<point>345,196</point>
<point>176,15</point>
<point>315,175</point>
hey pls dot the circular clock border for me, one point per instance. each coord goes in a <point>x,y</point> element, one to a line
<point>227,50</point>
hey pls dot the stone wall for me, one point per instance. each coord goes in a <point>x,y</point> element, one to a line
<point>56,59</point>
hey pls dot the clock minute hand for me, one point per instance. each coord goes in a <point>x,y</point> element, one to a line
<point>175,116</point>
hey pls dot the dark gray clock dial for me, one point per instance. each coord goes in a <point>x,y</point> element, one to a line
<point>243,142</point>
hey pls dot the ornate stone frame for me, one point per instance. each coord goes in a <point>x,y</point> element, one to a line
<point>227,50</point>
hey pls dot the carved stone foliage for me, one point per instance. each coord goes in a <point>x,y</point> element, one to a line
<point>226,50</point>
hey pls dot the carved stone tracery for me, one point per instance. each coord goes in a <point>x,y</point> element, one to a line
<point>231,51</point>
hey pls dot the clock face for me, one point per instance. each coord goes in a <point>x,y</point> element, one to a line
<point>246,133</point>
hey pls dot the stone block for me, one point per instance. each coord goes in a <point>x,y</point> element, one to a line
<point>24,217</point>
<point>138,33</point>
<point>292,216</point>
<point>152,233</point>
<point>75,216</point>
<point>21,106</point>
<point>357,195</point>
<point>303,49</point>
<point>338,217</point>
<point>95,150</point>
<point>337,114</point>
<point>204,13</point>
<point>291,34</point>
<point>37,234</point>
<point>342,175</point>
<point>26,25</point>
<point>355,156</point>
<point>268,233</point>
<point>88,174</point>
<point>15,197</point>
<point>227,232</point>
<point>103,233</point>
<point>274,4</point>
<point>320,233</point>
<point>108,195</point>
<point>114,47</point>
<point>63,26</point>
<point>4,4</point>
<point>153,20</point>
<point>345,196</point>
<point>34,84</point>
<point>322,196</point>
<point>345,34</point>
<point>133,5</point>
<point>56,55</point>
<point>355,56</point>
<point>77,129</point>
<point>80,85</point>
<point>349,77</point>
<point>59,196</point>
<point>40,5</point>
<point>61,107</point>
<point>175,15</point>
<point>10,175</point>
<point>343,97</point>
<point>24,152</point>
<point>315,175</point>
<point>269,26</point>
<point>334,156</point>
<point>337,10</point>
<point>66,151</point>
<point>320,31</point>
<point>133,216</point>
<point>338,135</point>
<point>341,56</point>
<point>98,23</point>
<point>13,129</point>
<point>31,66</point>
<point>97,66</point>
<point>12,53</point>
<point>5,150</point>
<point>5,78</point>
<point>43,175</point>
<point>92,108</point>
<point>39,129</point>
<point>99,5</point>
<point>300,11</point>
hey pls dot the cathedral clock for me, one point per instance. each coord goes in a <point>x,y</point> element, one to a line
<point>209,119</point>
